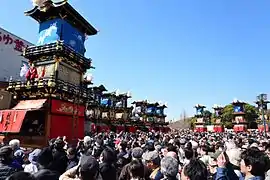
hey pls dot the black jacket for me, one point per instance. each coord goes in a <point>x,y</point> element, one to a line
<point>107,171</point>
<point>6,171</point>
<point>60,161</point>
<point>45,174</point>
<point>72,163</point>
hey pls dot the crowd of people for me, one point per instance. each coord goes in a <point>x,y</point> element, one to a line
<point>178,155</point>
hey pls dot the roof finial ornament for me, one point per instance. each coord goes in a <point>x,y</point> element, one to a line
<point>44,5</point>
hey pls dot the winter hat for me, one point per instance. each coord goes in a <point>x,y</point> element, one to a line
<point>234,156</point>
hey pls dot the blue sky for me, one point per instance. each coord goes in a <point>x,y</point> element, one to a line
<point>177,51</point>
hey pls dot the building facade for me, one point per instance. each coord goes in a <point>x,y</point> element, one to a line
<point>11,49</point>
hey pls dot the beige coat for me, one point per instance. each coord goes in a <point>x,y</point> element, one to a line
<point>70,174</point>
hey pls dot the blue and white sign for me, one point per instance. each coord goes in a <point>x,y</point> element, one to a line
<point>49,32</point>
<point>199,111</point>
<point>150,110</point>
<point>74,38</point>
<point>57,29</point>
<point>160,112</point>
<point>106,102</point>
<point>238,109</point>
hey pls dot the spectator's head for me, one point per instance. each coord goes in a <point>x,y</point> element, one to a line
<point>194,145</point>
<point>87,141</point>
<point>158,148</point>
<point>136,169</point>
<point>230,145</point>
<point>88,167</point>
<point>99,142</point>
<point>204,150</point>
<point>71,153</point>
<point>182,142</point>
<point>189,145</point>
<point>169,166</point>
<point>45,158</point>
<point>59,144</point>
<point>253,162</point>
<point>189,153</point>
<point>6,154</point>
<point>51,141</point>
<point>172,154</point>
<point>172,148</point>
<point>21,176</point>
<point>195,170</point>
<point>150,146</point>
<point>108,156</point>
<point>234,157</point>
<point>137,153</point>
<point>152,159</point>
<point>14,144</point>
<point>122,146</point>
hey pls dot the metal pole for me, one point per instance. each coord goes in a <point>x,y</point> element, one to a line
<point>263,119</point>
<point>264,123</point>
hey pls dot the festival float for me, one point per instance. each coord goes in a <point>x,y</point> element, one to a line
<point>218,126</point>
<point>93,109</point>
<point>122,113</point>
<point>108,111</point>
<point>51,97</point>
<point>150,116</point>
<point>239,121</point>
<point>161,117</point>
<point>200,124</point>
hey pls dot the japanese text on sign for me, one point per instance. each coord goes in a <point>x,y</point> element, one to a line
<point>8,40</point>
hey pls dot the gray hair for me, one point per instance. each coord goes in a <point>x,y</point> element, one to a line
<point>14,143</point>
<point>169,166</point>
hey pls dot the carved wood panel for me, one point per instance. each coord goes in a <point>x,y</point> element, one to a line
<point>69,75</point>
<point>46,71</point>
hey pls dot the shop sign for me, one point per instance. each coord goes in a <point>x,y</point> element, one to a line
<point>67,108</point>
